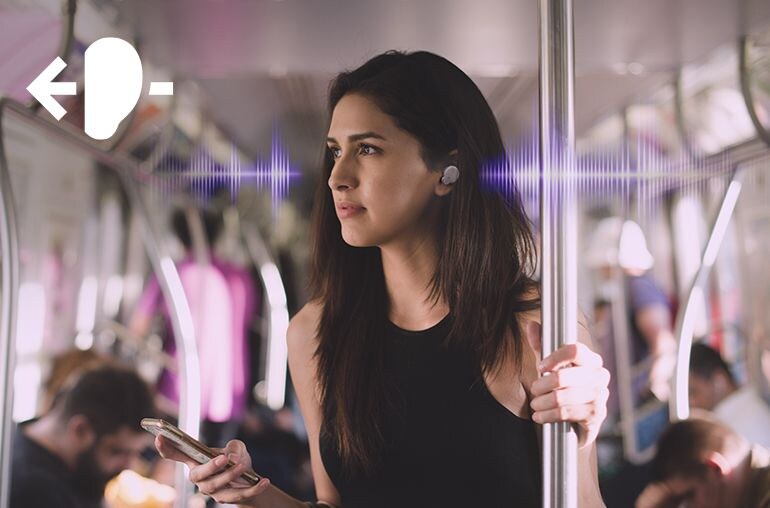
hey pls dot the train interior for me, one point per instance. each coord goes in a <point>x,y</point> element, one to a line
<point>672,129</point>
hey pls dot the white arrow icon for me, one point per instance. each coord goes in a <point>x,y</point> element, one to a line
<point>44,87</point>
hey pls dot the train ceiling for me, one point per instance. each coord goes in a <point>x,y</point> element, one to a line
<point>276,57</point>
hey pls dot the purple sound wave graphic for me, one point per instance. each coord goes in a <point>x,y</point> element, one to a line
<point>630,180</point>
<point>203,176</point>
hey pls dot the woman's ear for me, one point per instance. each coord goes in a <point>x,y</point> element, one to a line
<point>442,189</point>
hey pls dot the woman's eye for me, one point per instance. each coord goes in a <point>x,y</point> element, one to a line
<point>370,147</point>
<point>364,149</point>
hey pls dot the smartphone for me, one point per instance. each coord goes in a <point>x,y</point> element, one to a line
<point>191,447</point>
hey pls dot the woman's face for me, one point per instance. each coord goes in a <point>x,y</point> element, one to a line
<point>379,171</point>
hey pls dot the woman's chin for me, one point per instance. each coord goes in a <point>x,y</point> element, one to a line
<point>357,240</point>
<point>354,243</point>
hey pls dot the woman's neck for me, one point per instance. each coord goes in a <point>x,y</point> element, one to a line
<point>408,268</point>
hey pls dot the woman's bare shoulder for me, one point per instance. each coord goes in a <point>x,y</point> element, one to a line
<point>303,327</point>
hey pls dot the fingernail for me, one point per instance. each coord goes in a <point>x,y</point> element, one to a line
<point>220,461</point>
<point>234,457</point>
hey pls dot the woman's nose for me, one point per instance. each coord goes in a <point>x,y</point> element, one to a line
<point>342,176</point>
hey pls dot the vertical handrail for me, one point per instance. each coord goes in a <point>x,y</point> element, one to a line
<point>679,407</point>
<point>621,336</point>
<point>679,115</point>
<point>163,266</point>
<point>9,279</point>
<point>558,230</point>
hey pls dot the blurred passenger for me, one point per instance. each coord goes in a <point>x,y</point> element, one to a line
<point>619,254</point>
<point>220,299</point>
<point>65,458</point>
<point>704,464</point>
<point>618,243</point>
<point>713,388</point>
<point>63,367</point>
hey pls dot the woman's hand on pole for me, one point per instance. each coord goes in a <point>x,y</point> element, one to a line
<point>572,387</point>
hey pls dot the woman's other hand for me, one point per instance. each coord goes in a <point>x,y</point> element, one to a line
<point>572,387</point>
<point>213,478</point>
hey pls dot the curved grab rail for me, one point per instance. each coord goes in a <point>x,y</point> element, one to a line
<point>69,10</point>
<point>748,98</point>
<point>275,293</point>
<point>679,408</point>
<point>163,266</point>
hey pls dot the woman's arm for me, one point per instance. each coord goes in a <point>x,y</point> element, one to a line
<point>589,495</point>
<point>302,343</point>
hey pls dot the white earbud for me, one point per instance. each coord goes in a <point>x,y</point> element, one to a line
<point>450,176</point>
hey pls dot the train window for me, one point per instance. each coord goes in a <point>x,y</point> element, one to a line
<point>752,224</point>
<point>715,114</point>
<point>54,190</point>
<point>689,231</point>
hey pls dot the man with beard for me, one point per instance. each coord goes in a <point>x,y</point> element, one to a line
<point>702,463</point>
<point>65,458</point>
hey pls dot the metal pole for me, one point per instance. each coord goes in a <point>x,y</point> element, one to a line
<point>9,279</point>
<point>558,226</point>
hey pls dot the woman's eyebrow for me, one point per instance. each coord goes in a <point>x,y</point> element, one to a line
<point>358,137</point>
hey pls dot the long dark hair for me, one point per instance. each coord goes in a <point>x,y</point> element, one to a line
<point>484,243</point>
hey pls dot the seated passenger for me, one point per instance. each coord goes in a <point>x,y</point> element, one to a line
<point>702,463</point>
<point>619,243</point>
<point>91,433</point>
<point>713,388</point>
<point>64,367</point>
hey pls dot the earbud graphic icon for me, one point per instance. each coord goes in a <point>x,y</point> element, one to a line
<point>113,81</point>
<point>113,84</point>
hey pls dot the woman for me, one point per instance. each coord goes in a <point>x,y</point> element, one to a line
<point>415,363</point>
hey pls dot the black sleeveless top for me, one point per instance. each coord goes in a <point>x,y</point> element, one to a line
<point>452,445</point>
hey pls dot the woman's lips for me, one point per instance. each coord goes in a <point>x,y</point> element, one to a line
<point>345,210</point>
